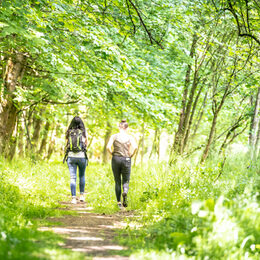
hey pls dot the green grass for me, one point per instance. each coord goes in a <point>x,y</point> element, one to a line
<point>180,211</point>
<point>184,213</point>
<point>29,193</point>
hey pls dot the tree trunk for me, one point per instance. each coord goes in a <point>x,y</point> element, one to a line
<point>188,111</point>
<point>257,145</point>
<point>21,139</point>
<point>29,142</point>
<point>13,142</point>
<point>45,137</point>
<point>37,122</point>
<point>254,125</point>
<point>187,133</point>
<point>28,126</point>
<point>51,147</point>
<point>225,142</point>
<point>200,115</point>
<point>8,110</point>
<point>216,108</point>
<point>137,152</point>
<point>210,139</point>
<point>142,140</point>
<point>179,134</point>
<point>251,123</point>
<point>107,136</point>
<point>156,144</point>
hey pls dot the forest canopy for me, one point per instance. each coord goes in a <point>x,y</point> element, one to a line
<point>189,68</point>
<point>184,74</point>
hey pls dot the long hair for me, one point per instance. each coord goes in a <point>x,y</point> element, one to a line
<point>76,123</point>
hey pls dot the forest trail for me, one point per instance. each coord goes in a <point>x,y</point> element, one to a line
<point>90,233</point>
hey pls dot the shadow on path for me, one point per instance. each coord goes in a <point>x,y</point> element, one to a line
<point>90,233</point>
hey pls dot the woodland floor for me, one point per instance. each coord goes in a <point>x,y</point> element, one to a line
<point>90,233</point>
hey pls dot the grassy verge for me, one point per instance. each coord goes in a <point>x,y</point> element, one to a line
<point>184,212</point>
<point>29,193</point>
<point>181,211</point>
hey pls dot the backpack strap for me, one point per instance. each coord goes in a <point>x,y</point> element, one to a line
<point>70,142</point>
<point>78,139</point>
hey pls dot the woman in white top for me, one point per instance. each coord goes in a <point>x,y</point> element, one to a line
<point>76,144</point>
<point>124,148</point>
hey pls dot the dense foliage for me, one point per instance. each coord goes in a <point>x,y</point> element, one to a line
<point>186,76</point>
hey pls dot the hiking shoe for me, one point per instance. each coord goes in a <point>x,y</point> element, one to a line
<point>124,199</point>
<point>119,205</point>
<point>81,198</point>
<point>73,201</point>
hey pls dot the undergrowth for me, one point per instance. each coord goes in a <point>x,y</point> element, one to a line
<point>181,212</point>
<point>185,212</point>
<point>29,193</point>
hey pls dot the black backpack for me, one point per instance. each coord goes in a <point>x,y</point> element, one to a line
<point>75,142</point>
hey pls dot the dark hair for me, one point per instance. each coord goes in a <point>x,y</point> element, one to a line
<point>76,123</point>
<point>123,124</point>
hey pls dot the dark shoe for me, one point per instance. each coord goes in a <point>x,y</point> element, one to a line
<point>124,199</point>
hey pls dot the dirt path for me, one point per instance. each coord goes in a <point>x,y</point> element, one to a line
<point>90,233</point>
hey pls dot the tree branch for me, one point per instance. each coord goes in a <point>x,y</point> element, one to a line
<point>59,103</point>
<point>231,9</point>
<point>144,25</point>
<point>130,15</point>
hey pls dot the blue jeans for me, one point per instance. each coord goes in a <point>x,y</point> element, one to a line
<point>73,164</point>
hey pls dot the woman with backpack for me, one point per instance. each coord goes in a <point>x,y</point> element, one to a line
<point>77,158</point>
<point>124,148</point>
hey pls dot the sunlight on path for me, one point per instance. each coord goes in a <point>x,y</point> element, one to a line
<point>90,233</point>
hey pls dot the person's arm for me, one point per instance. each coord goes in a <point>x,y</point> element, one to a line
<point>133,146</point>
<point>110,143</point>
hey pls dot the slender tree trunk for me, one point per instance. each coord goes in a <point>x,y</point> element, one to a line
<point>224,144</point>
<point>52,142</point>
<point>142,153</point>
<point>200,115</point>
<point>210,139</point>
<point>158,146</point>
<point>155,143</point>
<point>257,145</point>
<point>13,142</point>
<point>216,108</point>
<point>187,134</point>
<point>8,110</point>
<point>251,122</point>
<point>213,125</point>
<point>51,149</point>
<point>44,138</point>
<point>21,139</point>
<point>107,136</point>
<point>188,111</point>
<point>137,152</point>
<point>29,142</point>
<point>231,135</point>
<point>254,126</point>
<point>37,122</point>
<point>28,126</point>
<point>179,134</point>
<point>90,140</point>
